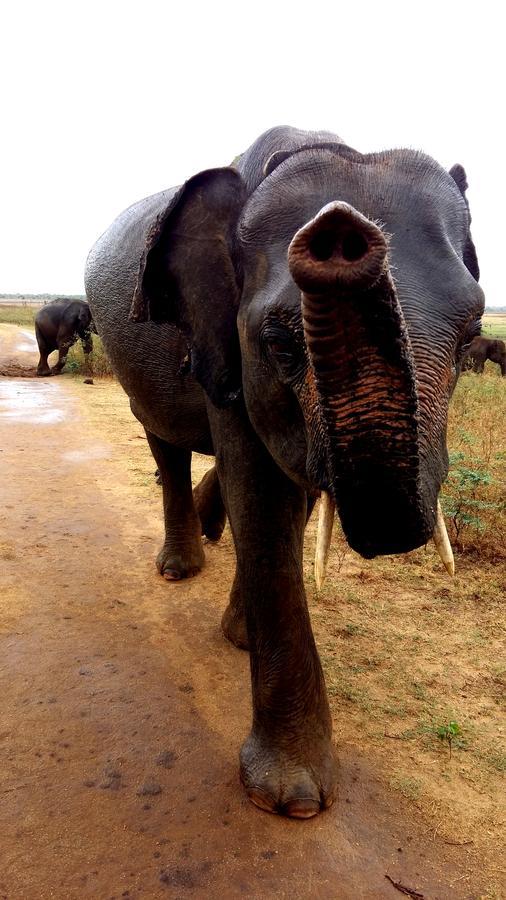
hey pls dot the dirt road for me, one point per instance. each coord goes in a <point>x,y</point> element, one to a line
<point>123,708</point>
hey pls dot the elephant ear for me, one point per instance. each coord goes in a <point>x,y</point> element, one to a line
<point>459,176</point>
<point>190,275</point>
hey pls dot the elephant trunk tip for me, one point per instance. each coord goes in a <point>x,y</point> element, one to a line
<point>338,249</point>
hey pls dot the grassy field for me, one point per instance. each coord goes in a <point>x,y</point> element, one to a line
<point>18,314</point>
<point>494,325</point>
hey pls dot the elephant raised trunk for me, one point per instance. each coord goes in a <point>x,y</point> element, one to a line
<point>338,248</point>
<point>364,382</point>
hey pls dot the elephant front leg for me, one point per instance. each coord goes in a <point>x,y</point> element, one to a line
<point>233,622</point>
<point>181,555</point>
<point>63,350</point>
<point>288,762</point>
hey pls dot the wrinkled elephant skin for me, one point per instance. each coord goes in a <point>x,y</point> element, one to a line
<point>302,316</point>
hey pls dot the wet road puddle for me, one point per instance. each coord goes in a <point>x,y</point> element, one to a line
<point>32,402</point>
<point>29,345</point>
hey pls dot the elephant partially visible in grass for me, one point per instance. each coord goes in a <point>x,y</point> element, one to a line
<point>483,348</point>
<point>58,325</point>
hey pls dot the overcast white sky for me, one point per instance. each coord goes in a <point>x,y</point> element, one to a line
<point>106,102</point>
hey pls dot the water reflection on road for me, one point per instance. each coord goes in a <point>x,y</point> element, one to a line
<point>32,402</point>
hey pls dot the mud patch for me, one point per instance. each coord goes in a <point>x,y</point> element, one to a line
<point>15,370</point>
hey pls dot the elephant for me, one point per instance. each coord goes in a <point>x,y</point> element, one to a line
<point>301,316</point>
<point>58,325</point>
<point>483,348</point>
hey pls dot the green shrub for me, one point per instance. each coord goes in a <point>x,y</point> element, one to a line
<point>76,364</point>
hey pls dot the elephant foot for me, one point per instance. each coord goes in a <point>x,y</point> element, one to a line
<point>174,566</point>
<point>293,784</point>
<point>233,625</point>
<point>212,531</point>
<point>209,506</point>
<point>42,373</point>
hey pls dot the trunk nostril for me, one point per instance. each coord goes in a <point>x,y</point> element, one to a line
<point>354,246</point>
<point>322,245</point>
<point>349,246</point>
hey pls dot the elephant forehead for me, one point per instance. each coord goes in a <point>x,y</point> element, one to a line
<point>403,189</point>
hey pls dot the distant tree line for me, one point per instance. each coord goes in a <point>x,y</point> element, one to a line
<point>42,298</point>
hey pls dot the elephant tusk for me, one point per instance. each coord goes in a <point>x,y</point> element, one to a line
<point>442,542</point>
<point>323,538</point>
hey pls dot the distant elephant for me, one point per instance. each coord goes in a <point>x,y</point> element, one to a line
<point>301,317</point>
<point>58,325</point>
<point>483,348</point>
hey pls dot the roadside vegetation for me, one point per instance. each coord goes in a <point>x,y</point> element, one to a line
<point>75,360</point>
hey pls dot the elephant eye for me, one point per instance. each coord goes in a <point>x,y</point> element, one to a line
<point>279,347</point>
<point>472,330</point>
<point>277,341</point>
<point>282,348</point>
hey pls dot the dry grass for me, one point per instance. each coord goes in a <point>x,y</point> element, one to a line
<point>75,360</point>
<point>18,314</point>
<point>494,325</point>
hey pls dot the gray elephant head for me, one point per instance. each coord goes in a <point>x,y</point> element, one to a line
<point>338,292</point>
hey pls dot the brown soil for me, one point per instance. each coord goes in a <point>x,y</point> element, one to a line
<point>123,707</point>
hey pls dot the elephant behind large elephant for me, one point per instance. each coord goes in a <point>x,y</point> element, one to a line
<point>483,348</point>
<point>303,318</point>
<point>58,325</point>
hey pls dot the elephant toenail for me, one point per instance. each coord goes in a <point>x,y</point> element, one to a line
<point>172,575</point>
<point>262,800</point>
<point>301,808</point>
